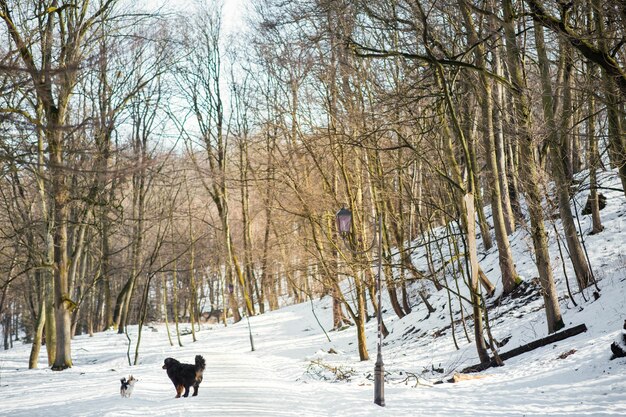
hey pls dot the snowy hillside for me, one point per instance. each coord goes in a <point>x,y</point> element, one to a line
<point>296,371</point>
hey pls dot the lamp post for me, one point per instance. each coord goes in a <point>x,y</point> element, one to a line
<point>344,224</point>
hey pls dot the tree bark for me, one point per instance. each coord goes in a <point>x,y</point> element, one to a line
<point>593,158</point>
<point>532,179</point>
<point>497,98</point>
<point>505,257</point>
<point>558,157</point>
<point>40,322</point>
<point>481,346</point>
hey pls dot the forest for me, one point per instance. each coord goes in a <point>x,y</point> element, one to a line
<point>155,167</point>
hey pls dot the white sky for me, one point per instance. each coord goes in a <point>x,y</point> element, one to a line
<point>233,10</point>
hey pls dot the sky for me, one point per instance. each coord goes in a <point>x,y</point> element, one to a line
<point>234,13</point>
<point>233,10</point>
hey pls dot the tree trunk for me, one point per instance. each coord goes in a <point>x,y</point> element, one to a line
<point>558,149</point>
<point>105,282</point>
<point>531,180</point>
<point>481,346</point>
<point>143,311</point>
<point>359,321</point>
<point>175,305</point>
<point>505,257</point>
<point>470,136</point>
<point>63,304</point>
<point>593,159</point>
<point>193,296</point>
<point>458,184</point>
<point>139,190</point>
<point>165,306</point>
<point>497,98</point>
<point>617,139</point>
<point>41,320</point>
<point>249,275</point>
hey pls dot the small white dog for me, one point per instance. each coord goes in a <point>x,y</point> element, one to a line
<point>127,386</point>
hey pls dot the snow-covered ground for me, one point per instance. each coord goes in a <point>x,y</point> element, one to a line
<point>296,371</point>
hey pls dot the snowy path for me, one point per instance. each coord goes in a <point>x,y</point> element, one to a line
<point>235,384</point>
<point>273,380</point>
<point>244,385</point>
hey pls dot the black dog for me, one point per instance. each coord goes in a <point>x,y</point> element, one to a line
<point>185,375</point>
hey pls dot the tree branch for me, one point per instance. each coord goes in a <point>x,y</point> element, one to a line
<point>587,49</point>
<point>367,52</point>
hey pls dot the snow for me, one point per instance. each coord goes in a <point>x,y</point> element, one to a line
<point>296,371</point>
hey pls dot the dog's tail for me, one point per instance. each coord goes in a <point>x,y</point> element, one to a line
<point>200,363</point>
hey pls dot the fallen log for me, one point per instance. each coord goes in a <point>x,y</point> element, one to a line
<point>457,377</point>
<point>563,334</point>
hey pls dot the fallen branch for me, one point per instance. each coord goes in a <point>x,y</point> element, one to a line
<point>458,377</point>
<point>563,334</point>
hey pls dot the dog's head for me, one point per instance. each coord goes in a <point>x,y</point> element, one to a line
<point>169,363</point>
<point>128,382</point>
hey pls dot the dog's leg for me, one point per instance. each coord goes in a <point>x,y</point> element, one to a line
<point>196,383</point>
<point>186,391</point>
<point>179,390</point>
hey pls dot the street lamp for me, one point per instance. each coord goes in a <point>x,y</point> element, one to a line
<point>344,221</point>
<point>344,224</point>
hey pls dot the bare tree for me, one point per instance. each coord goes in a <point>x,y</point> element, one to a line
<point>63,36</point>
<point>200,77</point>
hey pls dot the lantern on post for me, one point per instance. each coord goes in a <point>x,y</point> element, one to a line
<point>344,224</point>
<point>344,221</point>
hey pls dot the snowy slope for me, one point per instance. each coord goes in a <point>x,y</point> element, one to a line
<point>293,373</point>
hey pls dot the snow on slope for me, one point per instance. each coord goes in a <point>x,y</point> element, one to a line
<point>293,373</point>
